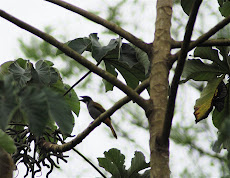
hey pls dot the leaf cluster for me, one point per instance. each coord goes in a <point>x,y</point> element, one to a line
<point>131,62</point>
<point>113,162</point>
<point>213,66</point>
<point>32,95</point>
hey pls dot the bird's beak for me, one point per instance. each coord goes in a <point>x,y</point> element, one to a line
<point>81,99</point>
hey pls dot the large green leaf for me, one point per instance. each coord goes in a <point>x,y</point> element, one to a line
<point>109,166</point>
<point>138,163</point>
<point>204,104</point>
<point>195,69</point>
<point>187,6</point>
<point>99,51</point>
<point>33,105</point>
<point>43,73</point>
<point>132,75</point>
<point>54,75</point>
<point>21,75</point>
<point>79,45</point>
<point>210,54</point>
<point>4,69</point>
<point>114,163</point>
<point>131,65</point>
<point>225,9</point>
<point>224,51</point>
<point>71,98</point>
<point>143,59</point>
<point>59,111</point>
<point>8,101</point>
<point>7,143</point>
<point>128,55</point>
<point>111,69</point>
<point>22,63</point>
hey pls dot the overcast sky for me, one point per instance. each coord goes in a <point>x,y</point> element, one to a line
<point>41,14</point>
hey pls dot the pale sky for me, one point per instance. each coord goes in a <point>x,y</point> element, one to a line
<point>41,14</point>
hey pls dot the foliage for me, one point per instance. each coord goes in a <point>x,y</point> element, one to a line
<point>29,90</point>
<point>6,142</point>
<point>224,7</point>
<point>113,162</point>
<point>34,92</point>
<point>36,50</point>
<point>131,62</point>
<point>213,67</point>
<point>32,102</point>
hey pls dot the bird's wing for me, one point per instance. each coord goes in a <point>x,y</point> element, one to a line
<point>99,107</point>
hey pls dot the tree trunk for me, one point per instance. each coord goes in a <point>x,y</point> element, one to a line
<point>159,89</point>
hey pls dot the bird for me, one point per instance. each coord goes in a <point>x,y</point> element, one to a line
<point>95,110</point>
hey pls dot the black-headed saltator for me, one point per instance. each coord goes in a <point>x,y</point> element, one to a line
<point>95,110</point>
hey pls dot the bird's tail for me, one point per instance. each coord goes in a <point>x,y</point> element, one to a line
<point>109,124</point>
<point>113,131</point>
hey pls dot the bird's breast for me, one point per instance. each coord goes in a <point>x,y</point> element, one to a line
<point>94,113</point>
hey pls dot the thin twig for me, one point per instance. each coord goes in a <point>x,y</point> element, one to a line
<point>88,161</point>
<point>111,26</point>
<point>179,68</point>
<point>80,59</point>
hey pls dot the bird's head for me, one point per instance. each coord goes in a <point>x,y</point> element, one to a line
<point>85,99</point>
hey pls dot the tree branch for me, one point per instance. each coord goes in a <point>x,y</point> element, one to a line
<point>179,68</point>
<point>201,39</point>
<point>79,138</point>
<point>77,57</point>
<point>212,42</point>
<point>111,26</point>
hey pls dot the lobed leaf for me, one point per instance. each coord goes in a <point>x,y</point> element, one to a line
<point>111,69</point>
<point>34,107</point>
<point>99,51</point>
<point>59,111</point>
<point>71,98</point>
<point>113,163</point>
<point>21,75</point>
<point>195,69</point>
<point>8,101</point>
<point>137,164</point>
<point>43,73</point>
<point>210,54</point>
<point>109,166</point>
<point>79,45</point>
